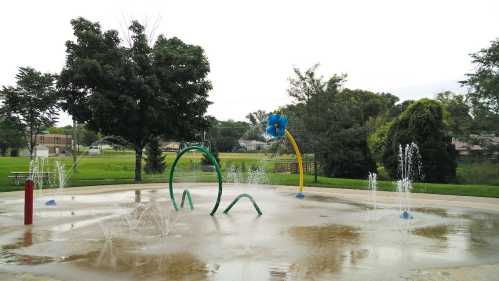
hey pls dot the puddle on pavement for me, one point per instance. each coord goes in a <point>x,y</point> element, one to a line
<point>180,266</point>
<point>329,250</point>
<point>325,235</point>
<point>19,259</point>
<point>9,256</point>
<point>331,199</point>
<point>119,255</point>
<point>440,232</point>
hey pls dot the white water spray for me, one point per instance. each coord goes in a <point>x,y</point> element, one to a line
<point>372,190</point>
<point>410,170</point>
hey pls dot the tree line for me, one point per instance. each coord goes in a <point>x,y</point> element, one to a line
<point>352,132</point>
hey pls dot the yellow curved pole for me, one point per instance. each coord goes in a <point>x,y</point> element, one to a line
<point>298,159</point>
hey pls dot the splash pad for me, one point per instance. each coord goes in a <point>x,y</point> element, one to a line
<point>105,233</point>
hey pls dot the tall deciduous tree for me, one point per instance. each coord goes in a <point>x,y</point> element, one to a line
<point>87,136</point>
<point>33,102</point>
<point>334,122</point>
<point>483,93</point>
<point>224,135</point>
<point>423,124</point>
<point>484,81</point>
<point>11,134</point>
<point>136,92</point>
<point>457,114</point>
<point>257,124</point>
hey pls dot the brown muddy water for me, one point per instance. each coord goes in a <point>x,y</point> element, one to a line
<point>130,236</point>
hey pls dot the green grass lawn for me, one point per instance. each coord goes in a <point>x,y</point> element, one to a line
<point>118,167</point>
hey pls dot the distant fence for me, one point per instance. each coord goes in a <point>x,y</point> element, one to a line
<point>290,166</point>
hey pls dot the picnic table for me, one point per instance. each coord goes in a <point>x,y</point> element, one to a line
<point>20,177</point>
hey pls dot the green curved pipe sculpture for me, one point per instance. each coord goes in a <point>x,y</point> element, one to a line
<point>217,169</point>
<point>189,199</point>
<point>237,199</point>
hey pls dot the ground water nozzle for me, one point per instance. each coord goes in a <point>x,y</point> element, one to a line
<point>406,216</point>
<point>51,202</point>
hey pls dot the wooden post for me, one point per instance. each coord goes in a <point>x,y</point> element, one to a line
<point>28,202</point>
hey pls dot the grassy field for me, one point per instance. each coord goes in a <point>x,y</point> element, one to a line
<point>118,167</point>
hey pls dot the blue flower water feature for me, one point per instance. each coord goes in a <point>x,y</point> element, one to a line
<point>276,125</point>
<point>276,128</point>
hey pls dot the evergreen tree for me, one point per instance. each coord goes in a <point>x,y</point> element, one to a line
<point>206,160</point>
<point>155,160</point>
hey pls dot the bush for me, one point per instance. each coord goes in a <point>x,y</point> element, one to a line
<point>347,155</point>
<point>423,124</point>
<point>377,142</point>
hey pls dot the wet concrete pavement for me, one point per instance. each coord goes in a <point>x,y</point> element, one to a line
<point>124,235</point>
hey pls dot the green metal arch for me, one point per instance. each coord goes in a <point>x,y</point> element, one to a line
<point>187,194</point>
<point>217,169</point>
<point>226,211</point>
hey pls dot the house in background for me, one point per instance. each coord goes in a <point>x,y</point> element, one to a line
<point>466,149</point>
<point>169,146</point>
<point>476,145</point>
<point>56,143</point>
<point>253,145</point>
<point>41,151</point>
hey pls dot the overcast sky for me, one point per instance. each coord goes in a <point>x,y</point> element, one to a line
<point>412,49</point>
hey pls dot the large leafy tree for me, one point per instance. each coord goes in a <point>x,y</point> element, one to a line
<point>484,81</point>
<point>87,137</point>
<point>33,102</point>
<point>377,142</point>
<point>257,124</point>
<point>334,121</point>
<point>483,95</point>
<point>137,92</point>
<point>457,114</point>
<point>422,123</point>
<point>11,134</point>
<point>224,135</point>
